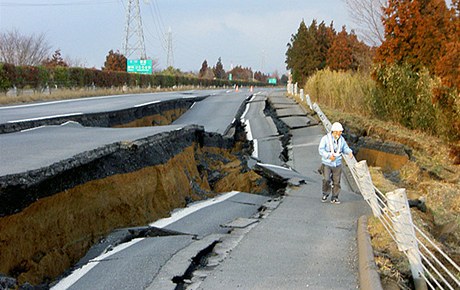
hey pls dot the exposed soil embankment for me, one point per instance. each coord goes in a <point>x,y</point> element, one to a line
<point>22,189</point>
<point>127,185</point>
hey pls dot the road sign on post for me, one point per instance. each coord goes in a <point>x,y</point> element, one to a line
<point>141,66</point>
<point>272,81</point>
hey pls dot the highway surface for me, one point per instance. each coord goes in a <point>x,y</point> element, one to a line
<point>262,131</point>
<point>216,113</point>
<point>75,107</point>
<point>142,262</point>
<point>54,143</point>
<point>134,266</point>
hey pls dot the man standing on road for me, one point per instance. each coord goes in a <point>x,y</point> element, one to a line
<point>331,148</point>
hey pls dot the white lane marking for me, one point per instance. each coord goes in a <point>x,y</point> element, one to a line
<point>248,130</point>
<point>245,111</point>
<point>31,129</point>
<point>304,145</point>
<point>77,274</point>
<point>274,166</point>
<point>255,153</point>
<point>45,117</point>
<point>63,124</point>
<point>177,215</point>
<point>68,281</point>
<point>62,101</point>
<point>192,105</point>
<point>148,103</point>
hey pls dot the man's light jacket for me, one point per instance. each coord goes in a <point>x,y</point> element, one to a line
<point>339,147</point>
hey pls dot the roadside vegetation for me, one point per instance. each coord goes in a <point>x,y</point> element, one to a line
<point>407,93</point>
<point>26,68</point>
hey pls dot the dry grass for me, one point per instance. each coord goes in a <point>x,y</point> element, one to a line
<point>64,94</point>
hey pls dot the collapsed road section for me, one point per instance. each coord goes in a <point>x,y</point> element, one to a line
<point>108,111</point>
<point>69,185</point>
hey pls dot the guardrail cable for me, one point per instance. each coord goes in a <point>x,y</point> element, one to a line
<point>427,261</point>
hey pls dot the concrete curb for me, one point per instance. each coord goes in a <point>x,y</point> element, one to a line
<point>369,278</point>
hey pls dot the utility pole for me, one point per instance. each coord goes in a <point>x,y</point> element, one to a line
<point>170,57</point>
<point>134,34</point>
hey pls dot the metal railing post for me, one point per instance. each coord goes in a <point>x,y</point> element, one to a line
<point>405,234</point>
<point>327,124</point>
<point>366,186</point>
<point>307,97</point>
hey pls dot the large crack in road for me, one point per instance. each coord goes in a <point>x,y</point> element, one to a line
<point>52,216</point>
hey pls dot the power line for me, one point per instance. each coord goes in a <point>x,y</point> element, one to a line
<point>170,57</point>
<point>74,3</point>
<point>158,26</point>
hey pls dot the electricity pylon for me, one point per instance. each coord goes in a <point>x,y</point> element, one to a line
<point>134,34</point>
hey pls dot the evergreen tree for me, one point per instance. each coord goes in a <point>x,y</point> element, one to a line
<point>325,37</point>
<point>219,71</point>
<point>203,69</point>
<point>261,77</point>
<point>303,53</point>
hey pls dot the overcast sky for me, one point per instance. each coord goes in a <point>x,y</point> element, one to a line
<point>250,33</point>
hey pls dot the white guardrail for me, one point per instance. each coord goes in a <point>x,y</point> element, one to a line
<point>392,209</point>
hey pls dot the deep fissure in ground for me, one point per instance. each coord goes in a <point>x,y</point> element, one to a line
<point>41,239</point>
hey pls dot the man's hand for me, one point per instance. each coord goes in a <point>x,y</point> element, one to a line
<point>350,155</point>
<point>332,157</point>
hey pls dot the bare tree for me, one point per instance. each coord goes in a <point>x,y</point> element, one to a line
<point>75,62</point>
<point>368,14</point>
<point>19,49</point>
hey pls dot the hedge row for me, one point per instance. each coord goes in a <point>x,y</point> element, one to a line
<point>40,77</point>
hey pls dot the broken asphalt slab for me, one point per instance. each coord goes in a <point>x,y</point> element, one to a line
<point>280,173</point>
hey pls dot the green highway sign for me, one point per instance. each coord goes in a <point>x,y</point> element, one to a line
<point>272,81</point>
<point>140,66</point>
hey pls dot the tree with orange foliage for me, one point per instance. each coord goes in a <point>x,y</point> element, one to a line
<point>415,31</point>
<point>348,53</point>
<point>55,61</point>
<point>115,61</point>
<point>340,55</point>
<point>423,37</point>
<point>448,65</point>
